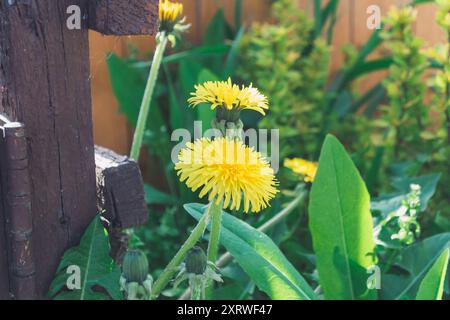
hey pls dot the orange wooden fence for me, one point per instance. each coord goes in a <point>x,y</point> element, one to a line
<point>111,129</point>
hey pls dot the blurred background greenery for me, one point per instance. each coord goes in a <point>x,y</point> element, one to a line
<point>380,92</point>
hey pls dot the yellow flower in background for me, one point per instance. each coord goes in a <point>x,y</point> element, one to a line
<point>225,94</point>
<point>170,11</point>
<point>302,167</point>
<point>228,171</point>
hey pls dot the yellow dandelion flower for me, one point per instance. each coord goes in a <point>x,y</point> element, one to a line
<point>170,11</point>
<point>228,171</point>
<point>302,167</point>
<point>225,94</point>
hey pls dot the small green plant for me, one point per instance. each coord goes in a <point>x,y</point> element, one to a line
<point>406,115</point>
<point>291,66</point>
<point>87,272</point>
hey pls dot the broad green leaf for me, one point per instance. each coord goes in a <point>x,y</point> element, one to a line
<point>233,55</point>
<point>415,261</point>
<point>177,113</point>
<point>375,168</point>
<point>128,84</point>
<point>260,258</point>
<point>215,35</point>
<point>428,184</point>
<point>432,286</point>
<point>318,17</point>
<point>391,202</point>
<point>341,225</point>
<point>204,112</point>
<point>206,51</point>
<point>96,266</point>
<point>188,75</point>
<point>154,196</point>
<point>417,2</point>
<point>369,67</point>
<point>197,52</point>
<point>238,14</point>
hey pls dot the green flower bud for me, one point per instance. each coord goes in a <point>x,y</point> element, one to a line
<point>229,115</point>
<point>196,261</point>
<point>135,266</point>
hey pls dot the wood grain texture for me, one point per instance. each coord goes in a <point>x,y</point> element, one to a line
<point>17,204</point>
<point>120,190</point>
<point>44,77</point>
<point>4,269</point>
<point>119,17</point>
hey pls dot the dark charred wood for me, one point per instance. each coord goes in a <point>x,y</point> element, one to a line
<point>120,190</point>
<point>44,84</point>
<point>119,17</point>
<point>17,205</point>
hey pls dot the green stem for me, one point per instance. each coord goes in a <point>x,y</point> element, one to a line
<point>146,101</point>
<point>214,237</point>
<point>171,268</point>
<point>277,219</point>
<point>214,240</point>
<point>196,289</point>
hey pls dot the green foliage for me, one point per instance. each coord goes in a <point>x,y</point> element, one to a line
<point>292,70</point>
<point>99,273</point>
<point>432,286</point>
<point>412,266</point>
<point>406,116</point>
<point>395,150</point>
<point>260,258</point>
<point>341,225</point>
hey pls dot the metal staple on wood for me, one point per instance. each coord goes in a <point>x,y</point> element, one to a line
<point>16,198</point>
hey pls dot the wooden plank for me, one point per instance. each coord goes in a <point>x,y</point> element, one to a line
<point>45,85</point>
<point>118,17</point>
<point>4,270</point>
<point>17,205</point>
<point>120,190</point>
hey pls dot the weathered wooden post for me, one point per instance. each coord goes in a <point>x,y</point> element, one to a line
<point>44,85</point>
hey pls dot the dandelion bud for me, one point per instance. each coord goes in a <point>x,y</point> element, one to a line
<point>135,266</point>
<point>196,261</point>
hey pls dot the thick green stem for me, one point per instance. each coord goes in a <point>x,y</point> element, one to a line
<point>171,268</point>
<point>214,237</point>
<point>147,99</point>
<point>196,289</point>
<point>214,240</point>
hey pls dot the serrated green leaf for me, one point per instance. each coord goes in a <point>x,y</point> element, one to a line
<point>260,258</point>
<point>341,225</point>
<point>97,268</point>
